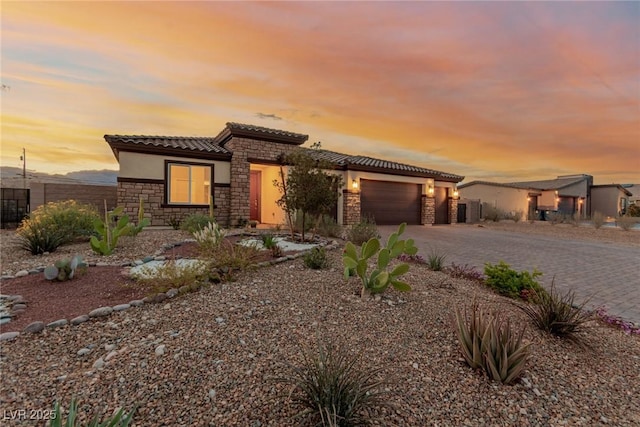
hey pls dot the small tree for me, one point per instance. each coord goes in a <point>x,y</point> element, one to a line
<point>308,187</point>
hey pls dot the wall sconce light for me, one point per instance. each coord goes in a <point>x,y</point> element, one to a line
<point>455,193</point>
<point>580,201</point>
<point>528,199</point>
<point>430,190</point>
<point>354,184</point>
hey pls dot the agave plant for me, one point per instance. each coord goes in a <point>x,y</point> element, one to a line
<point>487,342</point>
<point>119,419</point>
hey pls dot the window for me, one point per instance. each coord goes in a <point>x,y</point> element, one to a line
<point>188,184</point>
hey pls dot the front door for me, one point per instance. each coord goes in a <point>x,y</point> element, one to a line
<point>254,196</point>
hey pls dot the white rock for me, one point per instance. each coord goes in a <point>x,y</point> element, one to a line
<point>160,350</point>
<point>109,347</point>
<point>7,336</point>
<point>22,273</point>
<point>83,351</point>
<point>111,355</point>
<point>98,364</point>
<point>101,312</point>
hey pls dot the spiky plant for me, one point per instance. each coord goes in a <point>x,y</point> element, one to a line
<point>118,419</point>
<point>487,342</point>
<point>333,388</point>
<point>558,314</point>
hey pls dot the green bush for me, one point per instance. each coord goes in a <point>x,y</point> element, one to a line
<point>38,238</point>
<point>119,419</point>
<point>558,314</point>
<point>316,259</point>
<point>506,281</point>
<point>488,343</point>
<point>363,231</point>
<point>73,219</point>
<point>229,257</point>
<point>334,388</point>
<point>491,213</point>
<point>328,227</point>
<point>268,241</point>
<point>195,222</point>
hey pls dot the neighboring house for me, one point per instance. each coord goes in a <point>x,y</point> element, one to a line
<point>634,189</point>
<point>177,176</point>
<point>611,200</point>
<point>568,194</point>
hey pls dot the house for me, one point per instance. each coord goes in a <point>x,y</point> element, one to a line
<point>612,200</point>
<point>176,176</point>
<point>567,194</point>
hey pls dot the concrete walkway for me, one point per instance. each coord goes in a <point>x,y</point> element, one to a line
<point>609,273</point>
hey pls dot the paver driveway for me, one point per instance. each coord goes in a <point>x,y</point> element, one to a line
<point>608,272</point>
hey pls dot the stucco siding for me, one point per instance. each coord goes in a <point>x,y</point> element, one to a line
<point>150,166</point>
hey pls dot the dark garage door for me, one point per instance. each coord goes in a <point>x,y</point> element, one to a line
<point>390,202</point>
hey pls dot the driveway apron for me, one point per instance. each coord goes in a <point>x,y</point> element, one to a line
<point>608,273</point>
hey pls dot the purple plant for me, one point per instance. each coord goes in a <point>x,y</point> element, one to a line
<point>627,327</point>
<point>416,259</point>
<point>465,271</point>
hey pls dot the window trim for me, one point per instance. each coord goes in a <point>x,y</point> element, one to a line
<point>167,165</point>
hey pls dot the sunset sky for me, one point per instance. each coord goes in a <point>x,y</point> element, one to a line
<point>502,91</point>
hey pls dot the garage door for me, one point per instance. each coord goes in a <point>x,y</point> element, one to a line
<point>390,202</point>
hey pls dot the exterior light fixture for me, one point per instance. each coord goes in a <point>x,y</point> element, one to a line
<point>354,184</point>
<point>580,201</point>
<point>528,199</point>
<point>431,190</point>
<point>455,193</point>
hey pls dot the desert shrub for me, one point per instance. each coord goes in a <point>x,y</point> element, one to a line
<point>269,241</point>
<point>598,219</point>
<point>626,222</point>
<point>506,281</point>
<point>435,260</point>
<point>118,419</point>
<point>209,238</point>
<point>174,222</point>
<point>229,257</point>
<point>488,343</point>
<point>328,227</point>
<point>38,238</point>
<point>195,222</point>
<point>172,274</point>
<point>316,259</point>
<point>516,216</point>
<point>633,210</point>
<point>491,213</point>
<point>363,231</point>
<point>334,388</point>
<point>558,314</point>
<point>465,271</point>
<point>555,218</point>
<point>309,222</point>
<point>72,219</point>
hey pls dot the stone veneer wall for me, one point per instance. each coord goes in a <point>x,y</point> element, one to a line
<point>243,149</point>
<point>453,210</point>
<point>428,216</point>
<point>153,197</point>
<point>351,212</point>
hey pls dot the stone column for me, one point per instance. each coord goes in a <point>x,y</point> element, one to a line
<point>453,210</point>
<point>351,208</point>
<point>428,210</point>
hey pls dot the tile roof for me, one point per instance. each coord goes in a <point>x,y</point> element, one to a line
<point>357,162</point>
<point>196,144</point>
<point>243,130</point>
<point>542,185</point>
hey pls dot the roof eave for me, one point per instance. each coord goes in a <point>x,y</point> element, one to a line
<point>117,147</point>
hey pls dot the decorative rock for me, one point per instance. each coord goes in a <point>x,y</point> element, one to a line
<point>147,300</point>
<point>184,289</point>
<point>57,323</point>
<point>17,299</point>
<point>138,262</point>
<point>160,350</point>
<point>79,319</point>
<point>102,264</point>
<point>34,271</point>
<point>121,307</point>
<point>172,292</point>
<point>34,327</point>
<point>219,320</point>
<point>101,312</point>
<point>98,364</point>
<point>136,303</point>
<point>83,351</point>
<point>22,273</point>
<point>160,297</point>
<point>6,277</point>
<point>20,306</point>
<point>5,320</point>
<point>109,347</point>
<point>7,336</point>
<point>147,259</point>
<point>111,355</point>
<point>160,258</point>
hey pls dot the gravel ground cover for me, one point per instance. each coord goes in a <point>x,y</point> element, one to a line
<point>209,358</point>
